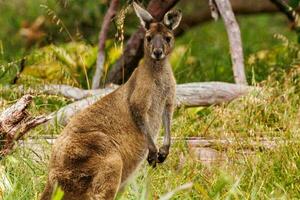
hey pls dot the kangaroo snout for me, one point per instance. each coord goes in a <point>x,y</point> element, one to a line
<point>157,54</point>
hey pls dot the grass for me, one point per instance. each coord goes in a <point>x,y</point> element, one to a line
<point>266,174</point>
<point>204,52</point>
<point>270,112</point>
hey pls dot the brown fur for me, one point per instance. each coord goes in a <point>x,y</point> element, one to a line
<point>104,144</point>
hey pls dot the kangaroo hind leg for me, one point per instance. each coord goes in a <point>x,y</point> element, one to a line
<point>107,181</point>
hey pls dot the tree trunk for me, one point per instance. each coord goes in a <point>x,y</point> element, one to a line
<point>101,45</point>
<point>235,40</point>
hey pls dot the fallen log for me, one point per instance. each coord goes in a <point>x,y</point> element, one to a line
<point>15,122</point>
<point>213,151</point>
<point>187,95</point>
<point>63,115</point>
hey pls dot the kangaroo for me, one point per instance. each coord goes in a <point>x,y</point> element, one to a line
<point>104,144</point>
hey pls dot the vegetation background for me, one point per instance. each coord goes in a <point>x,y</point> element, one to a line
<point>64,50</point>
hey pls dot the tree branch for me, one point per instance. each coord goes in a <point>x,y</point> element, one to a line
<point>285,8</point>
<point>201,12</point>
<point>234,35</point>
<point>291,14</point>
<point>15,123</point>
<point>101,45</point>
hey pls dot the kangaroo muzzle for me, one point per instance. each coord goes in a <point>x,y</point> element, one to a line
<point>157,54</point>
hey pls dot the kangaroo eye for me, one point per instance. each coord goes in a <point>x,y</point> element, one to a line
<point>168,39</point>
<point>148,38</point>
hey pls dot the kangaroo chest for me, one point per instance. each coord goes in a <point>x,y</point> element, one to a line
<point>161,92</point>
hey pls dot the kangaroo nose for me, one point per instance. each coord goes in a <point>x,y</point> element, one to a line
<point>157,53</point>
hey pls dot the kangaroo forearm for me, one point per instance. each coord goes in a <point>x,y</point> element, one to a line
<point>167,121</point>
<point>141,122</point>
<point>167,127</point>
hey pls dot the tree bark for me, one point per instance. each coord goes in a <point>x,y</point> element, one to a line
<point>235,40</point>
<point>101,45</point>
<point>200,13</point>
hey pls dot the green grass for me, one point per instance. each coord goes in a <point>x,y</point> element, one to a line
<point>266,174</point>
<point>204,50</point>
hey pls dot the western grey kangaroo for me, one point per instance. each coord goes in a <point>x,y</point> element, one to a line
<point>105,143</point>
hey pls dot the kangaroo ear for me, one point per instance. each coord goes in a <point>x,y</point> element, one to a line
<point>144,16</point>
<point>172,19</point>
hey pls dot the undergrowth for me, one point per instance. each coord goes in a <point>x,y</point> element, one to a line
<point>269,111</point>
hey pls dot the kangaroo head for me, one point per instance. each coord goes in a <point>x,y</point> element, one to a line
<point>159,37</point>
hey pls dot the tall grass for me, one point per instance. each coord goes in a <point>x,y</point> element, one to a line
<point>271,112</point>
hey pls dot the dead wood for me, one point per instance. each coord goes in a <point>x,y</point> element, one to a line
<point>15,122</point>
<point>235,40</point>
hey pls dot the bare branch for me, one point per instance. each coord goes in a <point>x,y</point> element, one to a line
<point>62,90</point>
<point>15,123</point>
<point>190,94</point>
<point>235,40</point>
<point>63,115</point>
<point>286,9</point>
<point>101,45</point>
<point>291,14</point>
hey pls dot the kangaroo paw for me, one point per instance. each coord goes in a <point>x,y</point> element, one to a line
<point>152,158</point>
<point>162,154</point>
